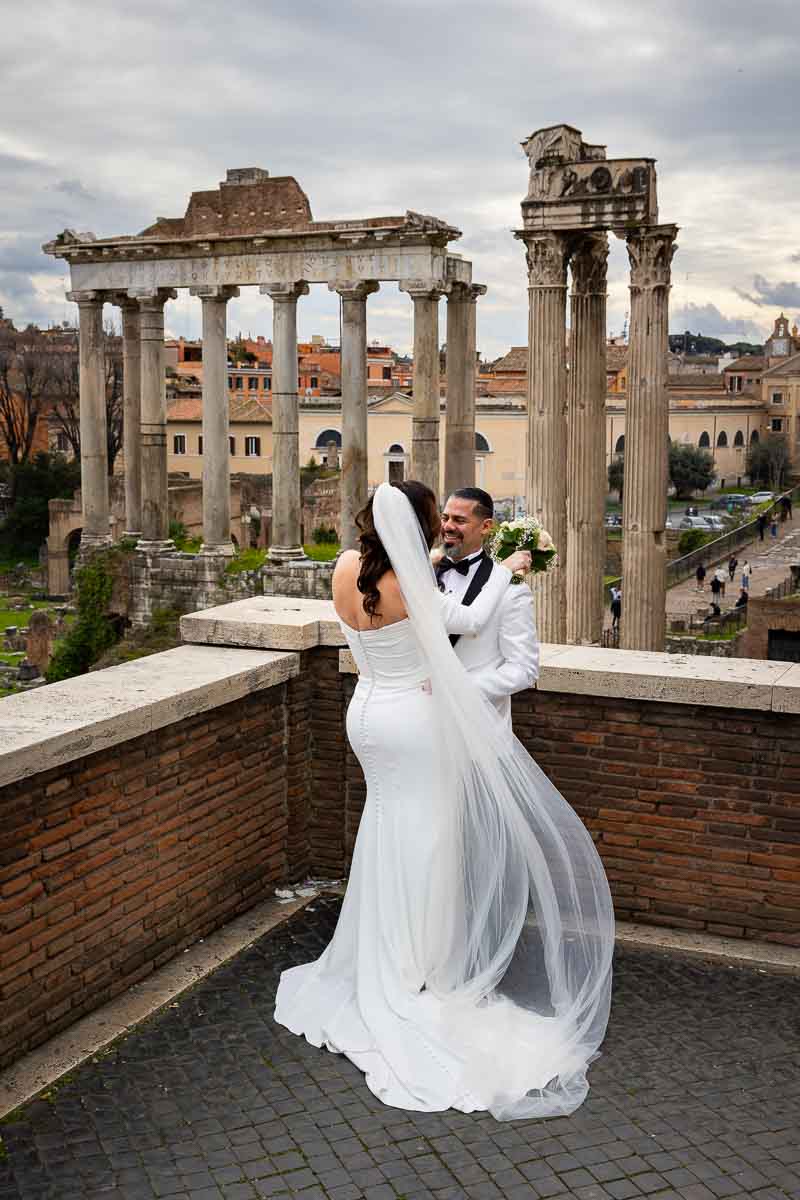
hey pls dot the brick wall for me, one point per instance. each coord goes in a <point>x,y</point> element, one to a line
<point>764,614</point>
<point>111,865</point>
<point>695,810</point>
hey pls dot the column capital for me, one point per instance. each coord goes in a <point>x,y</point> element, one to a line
<point>465,293</point>
<point>589,265</point>
<point>353,289</point>
<point>547,255</point>
<point>285,293</point>
<point>650,252</point>
<point>424,289</point>
<point>87,297</point>
<point>215,292</point>
<point>152,297</point>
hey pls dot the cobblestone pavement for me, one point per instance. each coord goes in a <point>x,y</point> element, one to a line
<point>696,1095</point>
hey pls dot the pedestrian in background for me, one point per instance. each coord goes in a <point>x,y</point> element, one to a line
<point>721,575</point>
<point>716,586</point>
<point>700,576</point>
<point>761,525</point>
<point>616,607</point>
<point>746,573</point>
<point>733,563</point>
<point>774,525</point>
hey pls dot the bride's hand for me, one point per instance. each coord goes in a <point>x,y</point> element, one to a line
<point>519,563</point>
<point>437,554</point>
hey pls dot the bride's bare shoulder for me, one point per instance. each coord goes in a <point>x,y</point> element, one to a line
<point>347,564</point>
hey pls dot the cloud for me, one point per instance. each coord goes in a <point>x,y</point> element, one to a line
<point>708,320</point>
<point>73,187</point>
<point>109,142</point>
<point>781,295</point>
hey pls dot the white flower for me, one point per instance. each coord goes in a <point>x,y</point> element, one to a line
<point>545,541</point>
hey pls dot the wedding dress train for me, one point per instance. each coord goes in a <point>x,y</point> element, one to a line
<point>471,964</point>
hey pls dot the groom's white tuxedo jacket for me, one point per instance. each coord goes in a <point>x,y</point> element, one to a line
<point>504,657</point>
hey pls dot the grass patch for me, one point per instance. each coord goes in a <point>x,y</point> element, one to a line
<point>322,551</point>
<point>246,560</point>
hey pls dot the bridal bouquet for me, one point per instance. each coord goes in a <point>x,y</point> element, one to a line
<point>524,534</point>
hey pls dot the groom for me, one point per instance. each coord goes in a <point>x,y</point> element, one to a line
<point>504,657</point>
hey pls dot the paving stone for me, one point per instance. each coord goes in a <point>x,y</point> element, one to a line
<point>210,1100</point>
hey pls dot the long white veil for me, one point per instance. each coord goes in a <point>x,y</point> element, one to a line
<point>527,933</point>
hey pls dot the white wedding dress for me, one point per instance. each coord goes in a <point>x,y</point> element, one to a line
<point>471,964</point>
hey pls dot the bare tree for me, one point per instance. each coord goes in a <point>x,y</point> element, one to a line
<point>25,377</point>
<point>66,394</point>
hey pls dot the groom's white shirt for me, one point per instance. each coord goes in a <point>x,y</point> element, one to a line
<point>504,657</point>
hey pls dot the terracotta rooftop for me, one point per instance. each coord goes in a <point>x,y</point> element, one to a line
<point>750,362</point>
<point>190,408</point>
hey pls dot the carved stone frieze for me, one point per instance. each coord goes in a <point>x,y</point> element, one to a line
<point>588,263</point>
<point>650,252</point>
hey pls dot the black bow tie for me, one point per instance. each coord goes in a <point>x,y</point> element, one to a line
<point>462,567</point>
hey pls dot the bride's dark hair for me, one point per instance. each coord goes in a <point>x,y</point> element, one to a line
<point>374,559</point>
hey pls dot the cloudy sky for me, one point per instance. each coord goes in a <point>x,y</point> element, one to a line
<point>114,112</point>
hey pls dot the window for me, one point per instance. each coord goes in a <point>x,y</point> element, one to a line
<point>722,439</point>
<point>777,425</point>
<point>252,382</point>
<point>620,446</point>
<point>754,436</point>
<point>252,447</point>
<point>777,397</point>
<point>232,444</point>
<point>200,444</point>
<point>387,372</point>
<point>268,382</point>
<point>481,444</point>
<point>739,439</point>
<point>735,383</point>
<point>705,441</point>
<point>230,382</point>
<point>179,443</point>
<point>314,381</point>
<point>328,435</point>
<point>62,443</point>
<point>238,383</point>
<point>395,448</point>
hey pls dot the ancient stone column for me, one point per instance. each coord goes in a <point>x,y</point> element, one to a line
<point>132,417</point>
<point>546,482</point>
<point>586,457</point>
<point>425,424</point>
<point>354,481</point>
<point>92,400</point>
<point>286,540</point>
<point>155,499</point>
<point>459,442</point>
<point>216,451</point>
<point>644,507</point>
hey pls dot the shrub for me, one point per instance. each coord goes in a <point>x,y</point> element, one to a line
<point>93,631</point>
<point>324,534</point>
<point>693,539</point>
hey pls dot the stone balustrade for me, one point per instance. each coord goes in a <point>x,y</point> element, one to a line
<point>147,804</point>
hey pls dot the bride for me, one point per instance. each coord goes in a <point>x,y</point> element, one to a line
<point>471,964</point>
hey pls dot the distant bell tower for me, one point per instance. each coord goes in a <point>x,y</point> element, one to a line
<point>779,343</point>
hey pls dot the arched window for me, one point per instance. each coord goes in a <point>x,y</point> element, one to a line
<point>395,448</point>
<point>739,439</point>
<point>481,444</point>
<point>327,436</point>
<point>754,436</point>
<point>620,446</point>
<point>722,439</point>
<point>705,441</point>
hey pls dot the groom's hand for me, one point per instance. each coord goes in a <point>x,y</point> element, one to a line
<point>519,563</point>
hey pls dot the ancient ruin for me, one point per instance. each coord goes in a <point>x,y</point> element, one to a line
<point>576,196</point>
<point>258,230</point>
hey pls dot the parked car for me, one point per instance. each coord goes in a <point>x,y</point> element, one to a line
<point>694,523</point>
<point>762,497</point>
<point>613,521</point>
<point>715,523</point>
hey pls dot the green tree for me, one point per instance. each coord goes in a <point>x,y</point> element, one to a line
<point>34,483</point>
<point>768,461</point>
<point>690,469</point>
<point>616,475</point>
